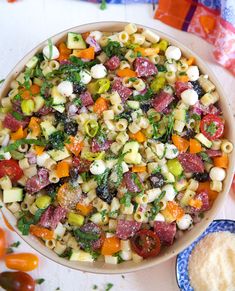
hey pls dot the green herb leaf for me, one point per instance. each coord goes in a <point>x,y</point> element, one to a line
<point>15,244</point>
<point>161,68</point>
<point>147,96</point>
<point>113,48</point>
<point>211,128</point>
<point>124,115</point>
<point>45,87</point>
<point>103,178</point>
<point>196,116</point>
<point>95,287</point>
<point>126,199</point>
<point>27,75</point>
<point>1,81</point>
<point>15,145</point>
<point>57,139</point>
<point>17,115</point>
<point>103,5</point>
<point>2,157</point>
<point>205,157</point>
<point>39,281</point>
<point>67,253</point>
<point>109,286</point>
<point>118,255</point>
<point>156,207</point>
<point>88,236</point>
<point>77,101</point>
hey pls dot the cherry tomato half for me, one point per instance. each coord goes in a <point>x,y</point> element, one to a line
<point>12,169</point>
<point>146,243</point>
<point>22,262</point>
<point>2,243</point>
<point>17,281</point>
<point>212,126</point>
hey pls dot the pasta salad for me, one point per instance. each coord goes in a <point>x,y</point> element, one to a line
<point>112,145</point>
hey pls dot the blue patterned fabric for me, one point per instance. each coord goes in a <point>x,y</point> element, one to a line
<point>183,258</point>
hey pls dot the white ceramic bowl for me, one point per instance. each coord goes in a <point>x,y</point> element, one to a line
<point>188,237</point>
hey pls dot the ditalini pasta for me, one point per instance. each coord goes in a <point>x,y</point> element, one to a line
<point>110,144</point>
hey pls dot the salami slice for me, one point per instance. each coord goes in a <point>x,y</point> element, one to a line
<point>165,231</point>
<point>181,87</point>
<point>98,147</point>
<point>38,181</point>
<point>82,165</point>
<point>127,228</point>
<point>92,228</point>
<point>206,205</point>
<point>86,99</point>
<point>144,67</point>
<point>12,123</point>
<point>161,101</point>
<point>123,91</point>
<point>191,163</point>
<point>52,216</point>
<point>213,153</point>
<point>113,63</point>
<point>130,182</point>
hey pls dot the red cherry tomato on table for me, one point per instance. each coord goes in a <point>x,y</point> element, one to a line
<point>17,281</point>
<point>12,169</point>
<point>146,243</point>
<point>2,243</point>
<point>212,126</point>
<point>22,262</point>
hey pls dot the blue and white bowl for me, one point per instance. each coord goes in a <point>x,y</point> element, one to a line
<point>182,275</point>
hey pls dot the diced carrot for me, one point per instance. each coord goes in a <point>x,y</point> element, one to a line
<point>88,53</point>
<point>39,150</point>
<point>182,144</point>
<point>34,126</point>
<point>41,232</point>
<point>221,162</point>
<point>126,73</point>
<point>138,169</point>
<point>191,61</point>
<point>138,136</point>
<point>74,146</point>
<point>194,146</point>
<point>110,246</point>
<point>20,133</point>
<point>147,52</point>
<point>205,186</point>
<point>62,169</point>
<point>172,211</point>
<point>85,35</point>
<point>84,209</point>
<point>35,89</point>
<point>101,104</point>
<point>183,78</point>
<point>196,203</point>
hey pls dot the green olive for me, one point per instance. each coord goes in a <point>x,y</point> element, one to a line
<point>27,106</point>
<point>43,202</point>
<point>175,167</point>
<point>75,219</point>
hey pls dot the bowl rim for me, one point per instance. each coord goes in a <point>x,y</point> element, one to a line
<point>177,257</point>
<point>154,261</point>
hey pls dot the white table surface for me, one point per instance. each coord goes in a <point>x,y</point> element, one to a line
<point>26,23</point>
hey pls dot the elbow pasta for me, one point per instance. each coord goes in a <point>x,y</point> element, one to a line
<point>106,148</point>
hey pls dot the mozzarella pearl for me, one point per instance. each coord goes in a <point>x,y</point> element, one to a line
<point>173,52</point>
<point>97,167</point>
<point>217,174</point>
<point>96,35</point>
<point>65,88</point>
<point>193,73</point>
<point>159,217</point>
<point>170,192</point>
<point>98,71</point>
<point>189,97</point>
<point>171,151</point>
<point>54,52</point>
<point>184,222</point>
<point>85,77</point>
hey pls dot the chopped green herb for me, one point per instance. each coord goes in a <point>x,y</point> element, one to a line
<point>205,157</point>
<point>39,281</point>
<point>24,222</point>
<point>126,199</point>
<point>95,287</point>
<point>15,145</point>
<point>161,68</point>
<point>109,286</point>
<point>45,87</point>
<point>124,115</point>
<point>133,79</point>
<point>17,97</point>
<point>50,45</point>
<point>196,116</point>
<point>1,81</point>
<point>17,115</point>
<point>157,170</point>
<point>58,288</point>
<point>120,259</point>
<point>67,253</point>
<point>156,206</point>
<point>113,48</point>
<point>88,236</point>
<point>27,75</point>
<point>15,244</point>
<point>103,178</point>
<point>57,139</point>
<point>103,214</point>
<point>211,128</point>
<point>182,74</point>
<point>147,96</point>
<point>77,101</point>
<point>103,5</point>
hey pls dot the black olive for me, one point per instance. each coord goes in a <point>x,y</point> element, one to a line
<point>71,128</point>
<point>104,193</point>
<point>78,88</point>
<point>189,133</point>
<point>73,172</point>
<point>60,117</point>
<point>197,87</point>
<point>201,177</point>
<point>145,106</point>
<point>51,189</point>
<point>156,180</point>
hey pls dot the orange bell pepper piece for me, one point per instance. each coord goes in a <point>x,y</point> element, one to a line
<point>110,246</point>
<point>20,133</point>
<point>191,61</point>
<point>85,35</point>
<point>183,79</point>
<point>196,203</point>
<point>35,89</point>
<point>126,73</point>
<point>172,211</point>
<point>148,51</point>
<point>41,232</point>
<point>74,146</point>
<point>101,104</point>
<point>138,169</point>
<point>62,169</point>
<point>64,52</point>
<point>34,126</point>
<point>88,53</point>
<point>28,93</point>
<point>39,150</point>
<point>205,186</point>
<point>138,136</point>
<point>84,209</point>
<point>181,143</point>
<point>194,146</point>
<point>221,162</point>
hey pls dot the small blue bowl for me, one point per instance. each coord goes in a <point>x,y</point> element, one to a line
<point>182,276</point>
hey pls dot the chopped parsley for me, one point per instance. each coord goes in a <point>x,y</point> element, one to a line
<point>205,157</point>
<point>39,281</point>
<point>1,81</point>
<point>196,116</point>
<point>10,250</point>
<point>77,101</point>
<point>103,5</point>
<point>133,79</point>
<point>157,170</point>
<point>27,75</point>
<point>211,128</point>
<point>24,222</point>
<point>119,258</point>
<point>67,253</point>
<point>50,45</point>
<point>102,179</point>
<point>113,48</point>
<point>109,286</point>
<point>156,206</point>
<point>123,277</point>
<point>45,88</point>
<point>146,96</point>
<point>124,115</point>
<point>57,139</point>
<point>103,214</point>
<point>15,145</point>
<point>95,287</point>
<point>17,115</point>
<point>2,157</point>
<point>17,97</point>
<point>126,199</point>
<point>161,68</point>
